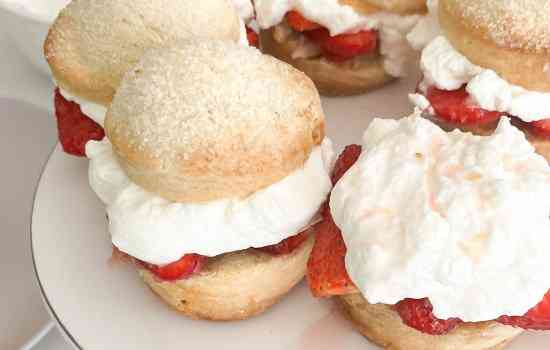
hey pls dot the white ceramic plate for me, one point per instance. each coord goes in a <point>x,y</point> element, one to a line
<point>101,306</point>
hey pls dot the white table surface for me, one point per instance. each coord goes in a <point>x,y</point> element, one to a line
<point>24,146</point>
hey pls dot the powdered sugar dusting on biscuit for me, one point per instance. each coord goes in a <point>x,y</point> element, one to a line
<point>94,42</point>
<point>207,96</point>
<point>510,23</point>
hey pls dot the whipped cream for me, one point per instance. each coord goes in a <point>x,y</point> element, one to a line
<point>427,27</point>
<point>246,14</point>
<point>446,68</point>
<point>338,19</point>
<point>422,103</point>
<point>460,219</point>
<point>95,111</point>
<point>159,231</point>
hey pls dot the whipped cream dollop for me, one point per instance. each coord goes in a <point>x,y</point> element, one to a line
<point>158,231</point>
<point>460,219</point>
<point>338,19</point>
<point>93,110</point>
<point>446,68</point>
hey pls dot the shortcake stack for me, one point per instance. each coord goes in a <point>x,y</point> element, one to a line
<point>214,167</point>
<point>490,60</point>
<point>345,46</point>
<point>437,240</point>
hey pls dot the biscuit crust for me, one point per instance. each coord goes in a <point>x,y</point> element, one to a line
<point>510,37</point>
<point>383,326</point>
<point>234,286</point>
<point>213,120</point>
<point>93,43</point>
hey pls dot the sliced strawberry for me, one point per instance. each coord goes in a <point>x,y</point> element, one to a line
<point>344,46</point>
<point>538,318</point>
<point>417,313</point>
<point>541,127</point>
<point>252,37</point>
<point>181,269</point>
<point>286,246</point>
<point>299,23</point>
<point>75,129</point>
<point>346,159</point>
<point>455,107</point>
<point>326,269</point>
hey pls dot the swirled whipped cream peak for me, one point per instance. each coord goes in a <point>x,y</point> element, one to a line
<point>460,219</point>
<point>158,231</point>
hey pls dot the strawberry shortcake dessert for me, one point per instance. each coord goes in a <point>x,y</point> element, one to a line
<point>210,184</point>
<point>92,43</point>
<point>437,240</point>
<point>345,46</point>
<point>490,60</point>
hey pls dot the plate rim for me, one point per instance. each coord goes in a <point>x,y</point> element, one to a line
<point>45,299</point>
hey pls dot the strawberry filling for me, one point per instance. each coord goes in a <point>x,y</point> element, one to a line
<point>327,275</point>
<point>336,48</point>
<point>417,314</point>
<point>540,127</point>
<point>74,128</point>
<point>181,269</point>
<point>252,37</point>
<point>456,107</point>
<point>286,246</point>
<point>326,270</point>
<point>538,318</point>
<point>191,264</point>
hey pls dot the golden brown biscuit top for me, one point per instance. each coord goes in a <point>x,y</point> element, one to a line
<point>516,24</point>
<point>93,43</point>
<point>216,98</point>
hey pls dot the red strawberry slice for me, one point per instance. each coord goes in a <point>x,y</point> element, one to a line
<point>538,318</point>
<point>455,107</point>
<point>326,269</point>
<point>348,157</point>
<point>252,37</point>
<point>181,269</point>
<point>299,23</point>
<point>75,129</point>
<point>417,313</point>
<point>541,127</point>
<point>344,46</point>
<point>286,246</point>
